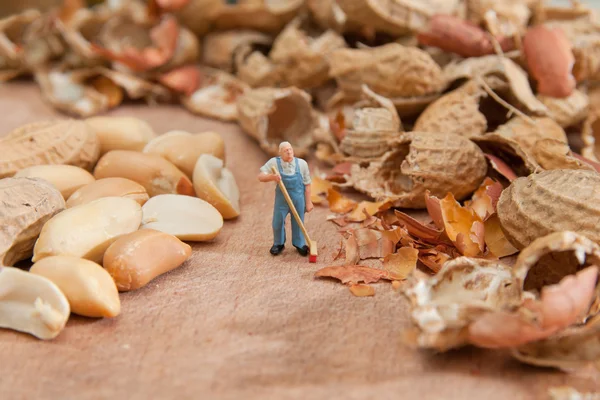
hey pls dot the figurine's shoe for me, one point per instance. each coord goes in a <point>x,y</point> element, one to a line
<point>276,249</point>
<point>302,250</point>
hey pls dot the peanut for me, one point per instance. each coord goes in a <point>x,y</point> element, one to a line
<point>154,173</point>
<point>183,148</point>
<point>456,35</point>
<point>185,217</point>
<point>553,70</point>
<point>121,133</point>
<point>108,187</point>
<point>534,206</point>
<point>69,142</point>
<point>87,230</point>
<point>27,203</point>
<point>66,178</point>
<point>32,304</point>
<point>89,288</point>
<point>135,259</point>
<point>216,184</point>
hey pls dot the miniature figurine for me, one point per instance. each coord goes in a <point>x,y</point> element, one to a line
<point>295,175</point>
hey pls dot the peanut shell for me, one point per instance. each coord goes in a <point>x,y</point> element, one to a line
<point>12,29</point>
<point>156,174</point>
<point>418,162</point>
<point>301,56</point>
<point>534,206</point>
<point>186,52</point>
<point>391,70</point>
<point>67,92</point>
<point>30,40</point>
<point>445,304</point>
<point>136,258</point>
<point>411,106</point>
<point>267,17</point>
<point>548,259</point>
<point>512,16</point>
<point>217,95</point>
<point>567,111</point>
<point>573,348</point>
<point>28,203</point>
<point>555,154</point>
<point>368,133</point>
<point>589,136</point>
<point>68,142</point>
<point>87,230</point>
<point>89,288</point>
<point>328,14</point>
<point>528,132</point>
<point>66,178</point>
<point>108,187</point>
<point>79,32</point>
<point>397,18</point>
<point>498,67</point>
<point>456,112</point>
<point>218,47</point>
<point>272,115</point>
<point>255,68</point>
<point>507,150</point>
<point>197,15</point>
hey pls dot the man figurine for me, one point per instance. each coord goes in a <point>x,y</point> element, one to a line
<point>296,179</point>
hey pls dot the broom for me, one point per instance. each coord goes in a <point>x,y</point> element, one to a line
<point>312,245</point>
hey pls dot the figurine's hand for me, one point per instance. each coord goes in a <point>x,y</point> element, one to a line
<point>275,177</point>
<point>309,206</point>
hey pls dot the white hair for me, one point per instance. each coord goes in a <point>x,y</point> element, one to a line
<point>283,144</point>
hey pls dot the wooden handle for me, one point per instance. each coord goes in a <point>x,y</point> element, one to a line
<point>291,204</point>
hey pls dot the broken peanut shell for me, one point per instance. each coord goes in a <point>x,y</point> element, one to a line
<point>272,115</point>
<point>445,304</point>
<point>417,162</point>
<point>548,259</point>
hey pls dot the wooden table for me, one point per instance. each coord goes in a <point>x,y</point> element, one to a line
<point>234,322</point>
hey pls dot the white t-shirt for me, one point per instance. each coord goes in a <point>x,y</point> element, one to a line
<point>289,168</point>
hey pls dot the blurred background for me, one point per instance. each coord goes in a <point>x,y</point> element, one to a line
<point>8,7</point>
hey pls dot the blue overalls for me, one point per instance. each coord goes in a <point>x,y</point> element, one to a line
<point>295,187</point>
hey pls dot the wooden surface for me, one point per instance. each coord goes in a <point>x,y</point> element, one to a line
<point>234,322</point>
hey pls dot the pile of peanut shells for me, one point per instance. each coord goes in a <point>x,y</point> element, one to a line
<point>101,206</point>
<point>482,114</point>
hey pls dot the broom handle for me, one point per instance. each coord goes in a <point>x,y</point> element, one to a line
<point>291,204</point>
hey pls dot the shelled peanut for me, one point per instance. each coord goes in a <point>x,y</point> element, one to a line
<point>125,219</point>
